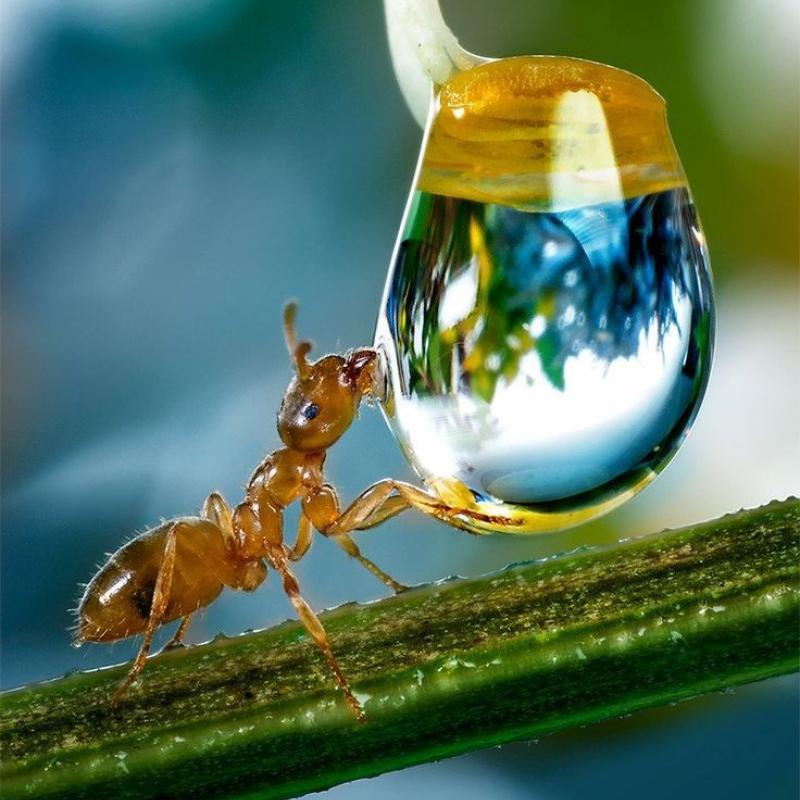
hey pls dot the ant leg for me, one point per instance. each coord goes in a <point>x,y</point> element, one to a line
<point>376,504</point>
<point>315,630</point>
<point>216,510</point>
<point>304,536</point>
<point>177,638</point>
<point>369,503</point>
<point>426,503</point>
<point>452,512</point>
<point>322,508</point>
<point>391,507</point>
<point>351,548</point>
<point>157,607</point>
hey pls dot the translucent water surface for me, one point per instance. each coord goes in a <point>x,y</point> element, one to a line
<point>549,361</point>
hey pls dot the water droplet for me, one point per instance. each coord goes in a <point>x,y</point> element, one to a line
<point>547,323</point>
<point>362,697</point>
<point>122,767</point>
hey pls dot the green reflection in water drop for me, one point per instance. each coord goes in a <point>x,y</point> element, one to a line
<point>551,363</point>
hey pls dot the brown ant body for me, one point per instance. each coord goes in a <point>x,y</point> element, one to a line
<point>171,571</point>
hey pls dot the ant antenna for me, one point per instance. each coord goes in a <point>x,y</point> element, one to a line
<point>297,350</point>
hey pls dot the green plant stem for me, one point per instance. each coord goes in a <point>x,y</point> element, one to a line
<point>442,669</point>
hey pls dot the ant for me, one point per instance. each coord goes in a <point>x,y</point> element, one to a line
<point>171,571</point>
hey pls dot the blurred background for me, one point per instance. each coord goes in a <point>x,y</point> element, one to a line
<point>173,172</point>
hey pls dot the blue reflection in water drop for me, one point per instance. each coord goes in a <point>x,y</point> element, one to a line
<point>546,359</point>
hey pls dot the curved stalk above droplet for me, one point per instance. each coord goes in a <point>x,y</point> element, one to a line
<point>424,51</point>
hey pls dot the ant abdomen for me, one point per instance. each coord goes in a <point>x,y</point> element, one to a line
<point>117,601</point>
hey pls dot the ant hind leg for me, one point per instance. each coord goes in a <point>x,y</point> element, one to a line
<point>158,606</point>
<point>177,637</point>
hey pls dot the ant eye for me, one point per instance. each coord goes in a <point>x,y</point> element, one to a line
<point>311,411</point>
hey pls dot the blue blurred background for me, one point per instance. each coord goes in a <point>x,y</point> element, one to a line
<point>172,172</point>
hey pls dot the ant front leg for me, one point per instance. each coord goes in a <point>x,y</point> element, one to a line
<point>321,506</point>
<point>158,606</point>
<point>376,504</point>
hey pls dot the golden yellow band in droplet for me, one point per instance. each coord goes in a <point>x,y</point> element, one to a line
<point>548,133</point>
<point>493,517</point>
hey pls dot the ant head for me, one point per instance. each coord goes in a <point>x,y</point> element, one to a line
<point>322,399</point>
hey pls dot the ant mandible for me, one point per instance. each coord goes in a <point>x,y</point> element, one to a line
<point>181,566</point>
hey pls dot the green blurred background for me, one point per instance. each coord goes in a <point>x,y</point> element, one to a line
<point>172,172</point>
